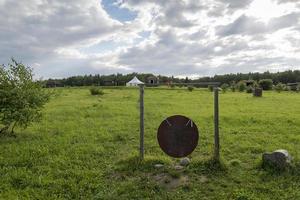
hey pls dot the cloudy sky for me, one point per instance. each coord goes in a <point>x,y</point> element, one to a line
<point>60,38</point>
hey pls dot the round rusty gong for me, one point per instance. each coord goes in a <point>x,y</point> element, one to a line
<point>178,136</point>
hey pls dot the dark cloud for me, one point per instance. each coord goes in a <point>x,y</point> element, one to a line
<point>242,25</point>
<point>245,25</point>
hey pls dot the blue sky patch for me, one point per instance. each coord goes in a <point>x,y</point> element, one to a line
<point>115,12</point>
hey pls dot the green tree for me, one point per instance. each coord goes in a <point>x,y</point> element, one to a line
<point>224,87</point>
<point>233,86</point>
<point>279,87</point>
<point>266,84</point>
<point>21,98</point>
<point>241,86</point>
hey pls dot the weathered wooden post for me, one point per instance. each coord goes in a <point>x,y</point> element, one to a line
<point>216,124</point>
<point>141,121</point>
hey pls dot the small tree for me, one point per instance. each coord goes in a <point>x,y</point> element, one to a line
<point>279,87</point>
<point>96,91</point>
<point>233,86</point>
<point>210,88</point>
<point>249,89</point>
<point>241,86</point>
<point>224,87</point>
<point>21,98</point>
<point>266,84</point>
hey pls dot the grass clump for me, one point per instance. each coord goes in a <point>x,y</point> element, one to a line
<point>96,91</point>
<point>235,162</point>
<point>190,88</point>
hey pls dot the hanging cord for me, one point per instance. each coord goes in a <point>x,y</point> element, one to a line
<point>166,119</point>
<point>188,123</point>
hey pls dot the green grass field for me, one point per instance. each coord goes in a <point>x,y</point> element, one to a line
<point>86,147</point>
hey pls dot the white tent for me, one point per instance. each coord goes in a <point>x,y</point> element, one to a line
<point>134,82</point>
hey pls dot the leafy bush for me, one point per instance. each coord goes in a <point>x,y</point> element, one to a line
<point>287,88</point>
<point>279,87</point>
<point>241,86</point>
<point>266,84</point>
<point>21,98</point>
<point>255,85</point>
<point>249,89</point>
<point>172,86</point>
<point>210,88</point>
<point>96,91</point>
<point>224,87</point>
<point>190,88</point>
<point>233,86</point>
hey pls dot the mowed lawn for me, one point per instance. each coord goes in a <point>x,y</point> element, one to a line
<point>86,147</point>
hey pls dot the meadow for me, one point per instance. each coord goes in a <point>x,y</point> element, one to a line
<point>86,147</point>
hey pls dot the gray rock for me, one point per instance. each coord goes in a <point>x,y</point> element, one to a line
<point>185,161</point>
<point>158,166</point>
<point>178,167</point>
<point>279,158</point>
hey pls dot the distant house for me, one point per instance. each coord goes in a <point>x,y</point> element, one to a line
<point>293,86</point>
<point>108,83</point>
<point>152,81</point>
<point>249,82</point>
<point>53,83</point>
<point>134,82</point>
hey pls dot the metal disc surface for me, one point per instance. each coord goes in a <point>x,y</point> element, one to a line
<point>178,136</point>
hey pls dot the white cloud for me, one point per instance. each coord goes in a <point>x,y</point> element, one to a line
<point>186,37</point>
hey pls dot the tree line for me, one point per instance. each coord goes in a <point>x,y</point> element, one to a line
<point>290,76</point>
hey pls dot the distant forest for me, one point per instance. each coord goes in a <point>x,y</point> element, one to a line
<point>285,77</point>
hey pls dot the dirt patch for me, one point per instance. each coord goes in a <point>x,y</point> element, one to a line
<point>203,179</point>
<point>167,181</point>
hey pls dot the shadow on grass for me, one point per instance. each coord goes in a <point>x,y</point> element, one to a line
<point>208,166</point>
<point>19,137</point>
<point>134,164</point>
<point>291,170</point>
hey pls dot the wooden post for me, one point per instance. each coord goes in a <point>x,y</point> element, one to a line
<point>141,122</point>
<point>216,124</point>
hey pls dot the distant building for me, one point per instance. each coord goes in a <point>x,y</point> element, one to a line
<point>293,86</point>
<point>108,83</point>
<point>53,83</point>
<point>152,81</point>
<point>249,82</point>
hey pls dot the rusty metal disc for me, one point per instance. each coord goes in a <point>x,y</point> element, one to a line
<point>178,136</point>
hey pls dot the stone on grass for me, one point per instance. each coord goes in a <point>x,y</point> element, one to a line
<point>279,159</point>
<point>158,166</point>
<point>178,167</point>
<point>203,179</point>
<point>185,161</point>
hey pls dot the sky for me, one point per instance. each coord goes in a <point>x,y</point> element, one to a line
<point>194,38</point>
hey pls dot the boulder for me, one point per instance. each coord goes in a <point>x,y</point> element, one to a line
<point>279,159</point>
<point>185,161</point>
